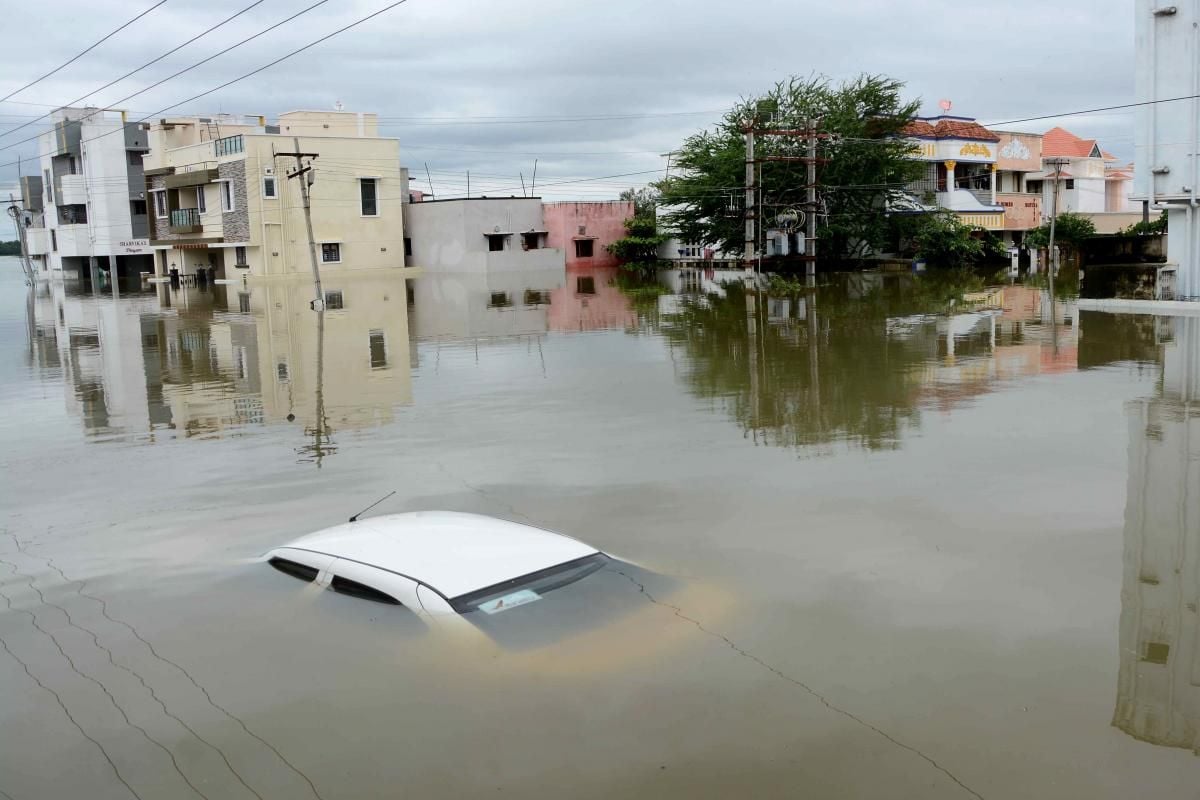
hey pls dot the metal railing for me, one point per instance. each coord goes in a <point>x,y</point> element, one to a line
<point>228,146</point>
<point>185,217</point>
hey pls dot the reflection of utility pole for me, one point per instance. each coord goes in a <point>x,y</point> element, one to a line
<point>811,245</point>
<point>319,303</point>
<point>321,445</point>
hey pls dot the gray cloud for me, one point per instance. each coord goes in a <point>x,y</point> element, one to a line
<point>463,59</point>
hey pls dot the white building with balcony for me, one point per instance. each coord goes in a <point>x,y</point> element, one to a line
<point>1167,133</point>
<point>960,158</point>
<point>86,209</point>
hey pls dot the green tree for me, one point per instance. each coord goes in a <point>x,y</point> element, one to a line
<point>12,248</point>
<point>943,240</point>
<point>1151,228</point>
<point>865,165</point>
<point>1069,232</point>
<point>638,251</point>
<point>645,200</point>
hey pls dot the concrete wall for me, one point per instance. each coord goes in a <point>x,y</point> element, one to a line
<point>449,235</point>
<point>603,221</point>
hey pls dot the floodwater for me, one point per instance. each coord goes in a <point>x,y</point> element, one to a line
<point>879,552</point>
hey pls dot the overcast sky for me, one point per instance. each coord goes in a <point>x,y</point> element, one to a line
<point>658,70</point>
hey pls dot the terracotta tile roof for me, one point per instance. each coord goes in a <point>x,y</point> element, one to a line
<point>1118,176</point>
<point>1061,143</point>
<point>918,127</point>
<point>948,128</point>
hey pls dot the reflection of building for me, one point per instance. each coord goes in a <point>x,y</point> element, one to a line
<point>590,300</point>
<point>220,197</point>
<point>1158,687</point>
<point>476,305</point>
<point>202,362</point>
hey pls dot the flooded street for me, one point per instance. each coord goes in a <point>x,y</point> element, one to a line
<point>881,552</point>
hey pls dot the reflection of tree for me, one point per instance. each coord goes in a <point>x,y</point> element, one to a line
<point>798,383</point>
<point>1118,337</point>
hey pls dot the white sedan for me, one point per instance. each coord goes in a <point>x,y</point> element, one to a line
<point>440,562</point>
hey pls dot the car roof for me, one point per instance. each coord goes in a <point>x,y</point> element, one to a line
<point>452,552</point>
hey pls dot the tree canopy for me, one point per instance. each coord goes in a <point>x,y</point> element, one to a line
<point>1069,231</point>
<point>865,164</point>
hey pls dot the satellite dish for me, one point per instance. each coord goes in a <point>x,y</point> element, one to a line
<point>946,105</point>
<point>338,106</point>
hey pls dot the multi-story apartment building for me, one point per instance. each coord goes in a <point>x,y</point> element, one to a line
<point>1018,156</point>
<point>86,209</point>
<point>222,205</point>
<point>1167,133</point>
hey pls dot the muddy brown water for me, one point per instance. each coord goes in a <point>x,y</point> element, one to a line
<point>891,553</point>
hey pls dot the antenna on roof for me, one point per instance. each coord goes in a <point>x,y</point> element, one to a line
<point>368,508</point>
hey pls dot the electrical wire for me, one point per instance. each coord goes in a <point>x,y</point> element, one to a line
<point>81,54</point>
<point>176,49</point>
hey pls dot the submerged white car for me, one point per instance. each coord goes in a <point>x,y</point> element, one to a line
<point>440,562</point>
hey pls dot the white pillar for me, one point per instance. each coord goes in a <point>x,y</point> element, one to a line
<point>993,184</point>
<point>950,165</point>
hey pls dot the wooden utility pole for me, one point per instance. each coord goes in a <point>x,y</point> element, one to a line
<point>318,304</point>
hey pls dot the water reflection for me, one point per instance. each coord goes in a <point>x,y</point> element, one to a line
<point>859,365</point>
<point>211,361</point>
<point>1158,688</point>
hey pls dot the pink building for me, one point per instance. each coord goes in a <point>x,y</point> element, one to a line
<point>583,230</point>
<point>589,300</point>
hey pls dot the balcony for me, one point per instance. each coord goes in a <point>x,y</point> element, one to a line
<point>38,240</point>
<point>72,191</point>
<point>1022,212</point>
<point>73,240</point>
<point>186,220</point>
<point>228,146</point>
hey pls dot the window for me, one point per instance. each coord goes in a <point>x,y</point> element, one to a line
<point>368,188</point>
<point>531,240</point>
<point>533,297</point>
<point>333,300</point>
<point>585,285</point>
<point>269,188</point>
<point>491,600</point>
<point>244,302</point>
<point>378,345</point>
<point>74,165</point>
<point>495,242</point>
<point>331,253</point>
<point>53,240</point>
<point>1069,184</point>
<point>201,202</point>
<point>239,257</point>
<point>49,186</point>
<point>583,248</point>
<point>281,372</point>
<point>137,208</point>
<point>160,203</point>
<point>227,196</point>
<point>301,571</point>
<point>499,300</point>
<point>134,158</point>
<point>362,591</point>
<point>407,246</point>
<point>1156,653</point>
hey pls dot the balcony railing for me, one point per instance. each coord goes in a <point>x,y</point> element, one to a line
<point>185,220</point>
<point>228,146</point>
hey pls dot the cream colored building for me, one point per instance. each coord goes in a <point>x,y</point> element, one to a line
<point>221,205</point>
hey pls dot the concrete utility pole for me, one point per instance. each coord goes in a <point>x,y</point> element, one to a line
<point>751,245</point>
<point>14,211</point>
<point>1052,255</point>
<point>317,304</point>
<point>811,231</point>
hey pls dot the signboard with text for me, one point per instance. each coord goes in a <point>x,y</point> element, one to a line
<point>133,247</point>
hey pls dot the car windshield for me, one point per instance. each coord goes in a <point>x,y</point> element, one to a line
<point>528,588</point>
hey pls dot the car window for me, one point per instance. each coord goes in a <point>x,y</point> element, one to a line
<point>528,588</point>
<point>355,589</point>
<point>295,569</point>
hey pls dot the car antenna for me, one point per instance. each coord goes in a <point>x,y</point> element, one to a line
<point>368,508</point>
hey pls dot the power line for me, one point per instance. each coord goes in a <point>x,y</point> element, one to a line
<point>84,52</point>
<point>1096,110</point>
<point>142,67</point>
<point>189,69</point>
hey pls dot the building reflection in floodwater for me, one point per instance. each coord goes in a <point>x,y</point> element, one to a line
<point>1158,688</point>
<point>204,362</point>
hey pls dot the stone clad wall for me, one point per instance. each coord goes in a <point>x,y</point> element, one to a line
<point>235,224</point>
